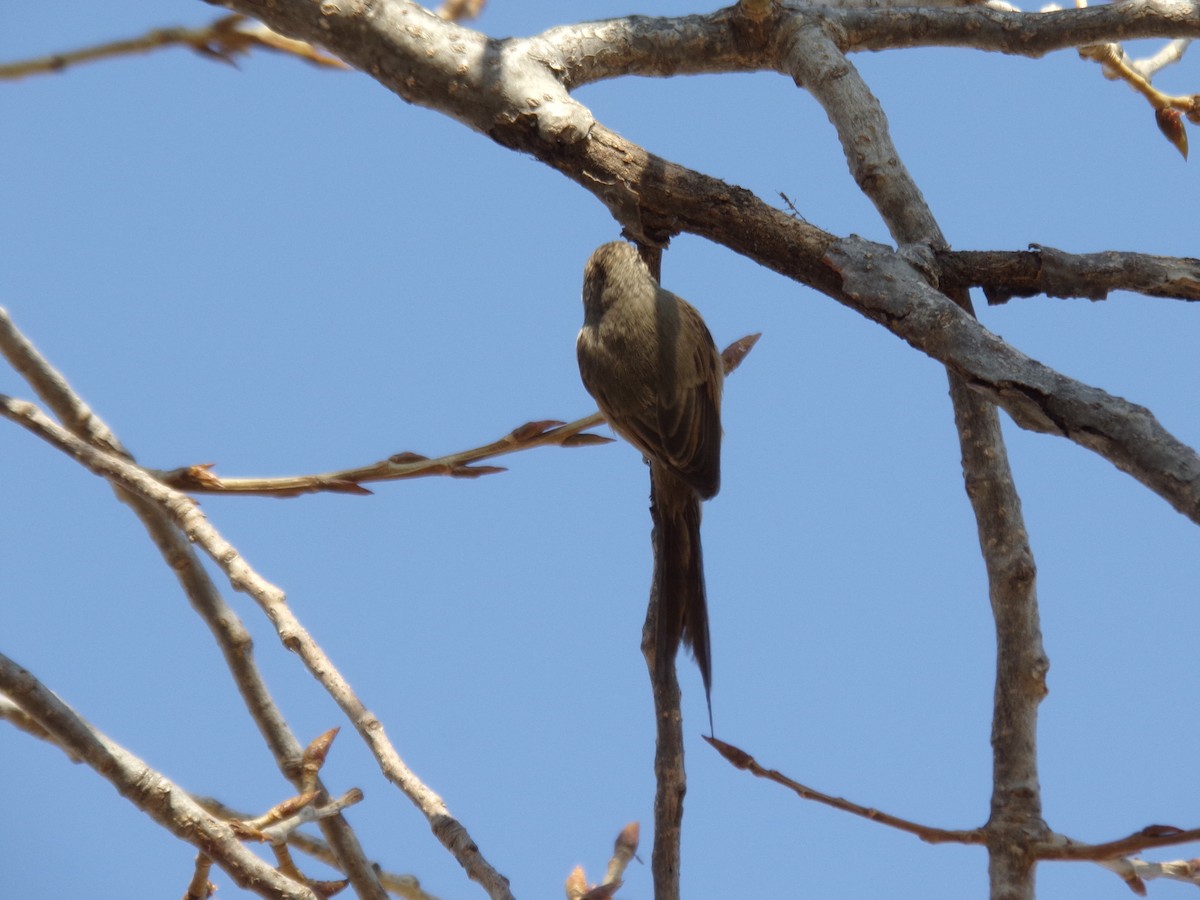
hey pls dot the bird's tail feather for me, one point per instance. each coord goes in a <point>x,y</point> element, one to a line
<point>682,603</point>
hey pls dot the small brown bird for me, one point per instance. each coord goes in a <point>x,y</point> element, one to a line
<point>647,358</point>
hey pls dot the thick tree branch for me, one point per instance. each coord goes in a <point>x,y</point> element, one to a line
<point>816,63</point>
<point>656,199</point>
<point>1045,270</point>
<point>1031,34</point>
<point>885,288</point>
<point>1015,826</point>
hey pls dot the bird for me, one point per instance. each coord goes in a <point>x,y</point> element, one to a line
<point>649,361</point>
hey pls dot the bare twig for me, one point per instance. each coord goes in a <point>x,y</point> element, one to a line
<point>200,479</point>
<point>200,888</point>
<point>224,39</point>
<point>1170,53</point>
<point>151,791</point>
<point>1050,847</point>
<point>407,886</point>
<point>1169,111</point>
<point>625,849</point>
<point>1149,838</point>
<point>1134,872</point>
<point>743,760</point>
<point>13,714</point>
<point>223,622</point>
<point>187,517</point>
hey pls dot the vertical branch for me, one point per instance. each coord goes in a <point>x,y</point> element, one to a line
<point>185,515</point>
<point>670,777</point>
<point>1015,825</point>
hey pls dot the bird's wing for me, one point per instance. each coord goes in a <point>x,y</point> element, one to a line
<point>689,418</point>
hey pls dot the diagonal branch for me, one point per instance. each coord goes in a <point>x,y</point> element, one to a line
<point>742,760</point>
<point>404,885</point>
<point>656,199</point>
<point>223,622</point>
<point>199,479</point>
<point>152,792</point>
<point>1037,397</point>
<point>186,516</point>
<point>223,40</point>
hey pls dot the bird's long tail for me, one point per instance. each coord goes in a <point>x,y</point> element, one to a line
<point>682,602</point>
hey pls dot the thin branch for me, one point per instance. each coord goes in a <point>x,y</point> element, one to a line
<point>816,63</point>
<point>223,622</point>
<point>13,714</point>
<point>1149,838</point>
<point>1052,847</point>
<point>1169,111</point>
<point>187,517</point>
<point>407,886</point>
<point>200,888</point>
<point>743,760</point>
<point>1169,54</point>
<point>152,792</point>
<point>1136,871</point>
<point>625,849</point>
<point>199,479</point>
<point>224,39</point>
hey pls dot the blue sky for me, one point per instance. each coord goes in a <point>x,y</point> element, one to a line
<point>284,270</point>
